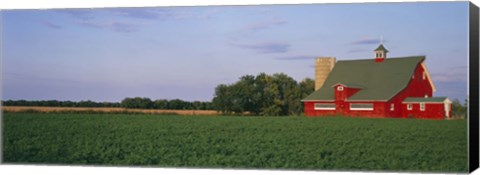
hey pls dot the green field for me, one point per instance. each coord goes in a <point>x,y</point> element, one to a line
<point>329,143</point>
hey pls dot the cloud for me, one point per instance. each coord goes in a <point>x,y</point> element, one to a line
<point>358,50</point>
<point>52,25</point>
<point>450,76</point>
<point>81,14</point>
<point>264,25</point>
<point>140,13</point>
<point>266,47</point>
<point>114,26</point>
<point>368,41</point>
<point>248,30</point>
<point>292,58</point>
<point>123,27</point>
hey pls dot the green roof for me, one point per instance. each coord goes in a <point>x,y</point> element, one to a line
<point>378,81</point>
<point>420,99</point>
<point>381,48</point>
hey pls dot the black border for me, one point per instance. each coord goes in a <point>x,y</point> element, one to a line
<point>474,90</point>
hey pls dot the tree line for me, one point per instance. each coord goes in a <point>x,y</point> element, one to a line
<point>266,95</point>
<point>135,103</point>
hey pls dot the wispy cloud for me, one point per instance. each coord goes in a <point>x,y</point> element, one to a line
<point>253,27</point>
<point>139,13</point>
<point>264,48</point>
<point>250,29</point>
<point>451,76</point>
<point>293,58</point>
<point>51,25</point>
<point>369,40</point>
<point>161,13</point>
<point>114,26</point>
<point>81,14</point>
<point>359,50</point>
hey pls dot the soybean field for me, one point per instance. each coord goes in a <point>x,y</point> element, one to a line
<point>324,143</point>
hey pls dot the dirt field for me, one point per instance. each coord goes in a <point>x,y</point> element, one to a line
<point>99,109</point>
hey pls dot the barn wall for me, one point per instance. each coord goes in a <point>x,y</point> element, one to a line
<point>432,111</point>
<point>309,110</point>
<point>417,87</point>
<point>343,108</point>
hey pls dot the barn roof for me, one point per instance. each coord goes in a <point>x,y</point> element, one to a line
<point>379,81</point>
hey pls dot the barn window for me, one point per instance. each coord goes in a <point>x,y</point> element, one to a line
<point>424,75</point>
<point>413,76</point>
<point>340,88</point>
<point>324,106</point>
<point>361,106</point>
<point>422,106</point>
<point>392,107</point>
<point>409,107</point>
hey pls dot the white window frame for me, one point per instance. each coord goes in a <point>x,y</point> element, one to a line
<point>422,106</point>
<point>424,75</point>
<point>340,88</point>
<point>392,107</point>
<point>324,108</point>
<point>409,106</point>
<point>361,109</point>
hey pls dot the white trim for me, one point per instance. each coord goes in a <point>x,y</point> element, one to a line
<point>409,106</point>
<point>428,77</point>
<point>340,88</point>
<point>324,108</point>
<point>425,102</point>
<point>422,104</point>
<point>392,107</point>
<point>360,109</point>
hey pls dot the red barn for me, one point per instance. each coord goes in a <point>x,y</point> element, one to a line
<point>376,87</point>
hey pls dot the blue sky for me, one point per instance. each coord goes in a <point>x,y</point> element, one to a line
<point>184,52</point>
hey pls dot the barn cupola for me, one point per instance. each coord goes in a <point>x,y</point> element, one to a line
<point>380,53</point>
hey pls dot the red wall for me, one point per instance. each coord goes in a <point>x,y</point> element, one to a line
<point>417,87</point>
<point>343,108</point>
<point>432,111</point>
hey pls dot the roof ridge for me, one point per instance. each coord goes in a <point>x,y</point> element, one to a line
<point>362,59</point>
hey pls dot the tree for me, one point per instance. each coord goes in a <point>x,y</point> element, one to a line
<point>458,110</point>
<point>267,95</point>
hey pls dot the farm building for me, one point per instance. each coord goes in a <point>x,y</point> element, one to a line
<point>376,87</point>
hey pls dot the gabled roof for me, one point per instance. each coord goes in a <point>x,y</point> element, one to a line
<point>381,48</point>
<point>379,81</point>
<point>426,100</point>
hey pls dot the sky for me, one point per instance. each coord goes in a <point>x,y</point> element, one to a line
<point>107,54</point>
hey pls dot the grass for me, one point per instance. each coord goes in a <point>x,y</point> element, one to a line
<point>327,143</point>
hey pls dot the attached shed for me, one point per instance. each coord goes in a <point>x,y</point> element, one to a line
<point>430,108</point>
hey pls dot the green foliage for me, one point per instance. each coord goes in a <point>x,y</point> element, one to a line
<point>56,103</point>
<point>135,103</point>
<point>328,143</point>
<point>266,95</point>
<point>459,110</point>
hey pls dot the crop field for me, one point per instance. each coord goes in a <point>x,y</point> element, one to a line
<point>45,109</point>
<point>327,143</point>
